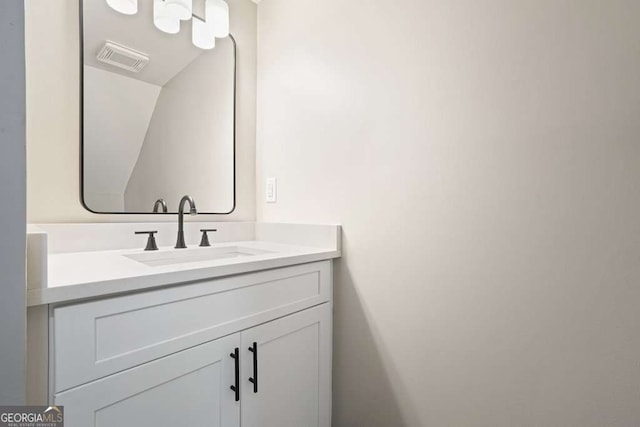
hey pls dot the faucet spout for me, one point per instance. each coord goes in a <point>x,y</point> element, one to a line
<point>160,204</point>
<point>180,243</point>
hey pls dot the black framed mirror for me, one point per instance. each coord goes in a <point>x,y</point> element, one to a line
<point>157,114</point>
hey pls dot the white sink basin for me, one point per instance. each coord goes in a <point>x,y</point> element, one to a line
<point>182,256</point>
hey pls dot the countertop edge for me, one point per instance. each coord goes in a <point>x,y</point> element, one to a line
<point>111,288</point>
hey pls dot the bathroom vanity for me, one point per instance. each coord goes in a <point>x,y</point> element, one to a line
<point>135,324</point>
<point>237,334</point>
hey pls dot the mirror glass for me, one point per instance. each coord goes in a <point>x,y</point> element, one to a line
<point>158,114</point>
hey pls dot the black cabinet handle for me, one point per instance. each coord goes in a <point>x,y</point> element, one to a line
<point>236,387</point>
<point>254,380</point>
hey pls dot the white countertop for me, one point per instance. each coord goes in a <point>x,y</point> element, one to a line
<point>79,275</point>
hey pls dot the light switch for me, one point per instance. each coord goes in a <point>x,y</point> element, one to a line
<point>271,190</point>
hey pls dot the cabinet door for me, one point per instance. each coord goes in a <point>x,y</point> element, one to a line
<point>293,371</point>
<point>189,388</point>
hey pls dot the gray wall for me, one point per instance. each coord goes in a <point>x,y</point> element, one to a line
<point>189,139</point>
<point>13,202</point>
<point>484,160</point>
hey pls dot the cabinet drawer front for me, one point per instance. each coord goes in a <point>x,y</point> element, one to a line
<point>99,338</point>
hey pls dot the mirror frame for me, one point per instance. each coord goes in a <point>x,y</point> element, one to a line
<point>235,114</point>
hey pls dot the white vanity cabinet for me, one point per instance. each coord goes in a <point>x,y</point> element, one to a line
<point>251,350</point>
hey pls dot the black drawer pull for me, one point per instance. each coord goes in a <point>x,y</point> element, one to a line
<point>236,387</point>
<point>254,379</point>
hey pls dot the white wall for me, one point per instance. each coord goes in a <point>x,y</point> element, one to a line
<point>13,197</point>
<point>53,121</point>
<point>188,147</point>
<point>483,160</point>
<point>117,113</point>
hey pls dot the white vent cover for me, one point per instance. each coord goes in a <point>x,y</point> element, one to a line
<point>122,56</point>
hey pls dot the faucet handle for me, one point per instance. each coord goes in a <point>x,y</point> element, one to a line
<point>205,239</point>
<point>151,241</point>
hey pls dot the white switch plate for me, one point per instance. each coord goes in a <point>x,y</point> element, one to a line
<point>271,195</point>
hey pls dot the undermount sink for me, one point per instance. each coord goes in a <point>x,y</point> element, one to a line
<point>181,256</point>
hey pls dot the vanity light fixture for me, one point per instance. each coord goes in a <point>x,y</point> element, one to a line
<point>217,16</point>
<point>181,9</point>
<point>163,19</point>
<point>215,25</point>
<point>201,34</point>
<point>127,7</point>
<point>167,15</point>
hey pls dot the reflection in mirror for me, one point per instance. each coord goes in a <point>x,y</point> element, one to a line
<point>158,113</point>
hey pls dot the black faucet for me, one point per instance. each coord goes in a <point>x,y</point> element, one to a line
<point>160,204</point>
<point>180,244</point>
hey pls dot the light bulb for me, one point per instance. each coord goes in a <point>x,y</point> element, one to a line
<point>127,7</point>
<point>217,15</point>
<point>163,20</point>
<point>181,9</point>
<point>202,34</point>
